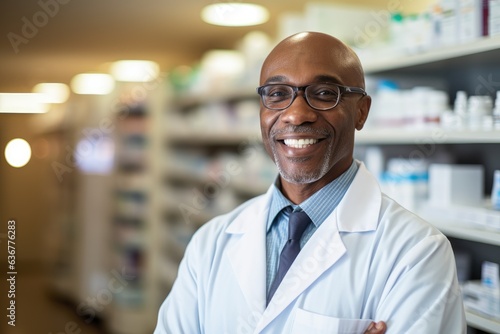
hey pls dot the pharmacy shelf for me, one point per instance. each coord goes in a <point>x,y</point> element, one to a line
<point>221,138</point>
<point>189,100</point>
<point>437,135</point>
<point>468,233</point>
<point>480,322</point>
<point>248,189</point>
<point>483,50</point>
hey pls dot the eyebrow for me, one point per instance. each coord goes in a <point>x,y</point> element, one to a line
<point>318,78</point>
<point>327,78</point>
<point>276,78</point>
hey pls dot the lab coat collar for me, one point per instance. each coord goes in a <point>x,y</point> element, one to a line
<point>248,254</point>
<point>359,209</point>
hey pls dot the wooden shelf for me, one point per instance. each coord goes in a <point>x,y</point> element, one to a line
<point>380,136</point>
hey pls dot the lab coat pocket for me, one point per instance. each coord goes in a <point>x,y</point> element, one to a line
<point>309,322</point>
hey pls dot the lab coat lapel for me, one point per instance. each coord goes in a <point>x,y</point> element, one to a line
<point>321,251</point>
<point>248,254</point>
<point>325,247</point>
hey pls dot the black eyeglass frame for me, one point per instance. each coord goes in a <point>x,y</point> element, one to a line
<point>295,89</point>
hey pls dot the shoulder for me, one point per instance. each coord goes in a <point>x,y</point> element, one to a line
<point>399,219</point>
<point>215,229</point>
<point>408,238</point>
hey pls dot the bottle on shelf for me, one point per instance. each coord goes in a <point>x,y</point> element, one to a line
<point>460,109</point>
<point>496,112</point>
<point>495,192</point>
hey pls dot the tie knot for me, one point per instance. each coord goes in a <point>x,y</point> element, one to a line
<point>297,224</point>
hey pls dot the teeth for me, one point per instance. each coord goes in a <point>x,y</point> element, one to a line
<point>300,143</point>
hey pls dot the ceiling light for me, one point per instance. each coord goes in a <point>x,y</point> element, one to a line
<point>234,14</point>
<point>53,92</point>
<point>92,84</point>
<point>223,62</point>
<point>135,70</point>
<point>17,152</point>
<point>29,103</point>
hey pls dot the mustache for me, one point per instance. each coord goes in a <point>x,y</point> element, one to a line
<point>299,129</point>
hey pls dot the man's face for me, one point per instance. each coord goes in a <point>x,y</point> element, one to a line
<point>308,145</point>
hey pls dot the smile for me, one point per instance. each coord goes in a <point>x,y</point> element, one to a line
<point>300,143</point>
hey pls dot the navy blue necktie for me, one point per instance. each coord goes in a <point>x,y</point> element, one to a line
<point>297,223</point>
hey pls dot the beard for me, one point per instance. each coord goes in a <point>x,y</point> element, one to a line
<point>298,175</point>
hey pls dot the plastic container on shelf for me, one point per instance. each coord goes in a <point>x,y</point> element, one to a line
<point>406,180</point>
<point>496,112</point>
<point>479,109</point>
<point>495,192</point>
<point>460,109</point>
<point>494,17</point>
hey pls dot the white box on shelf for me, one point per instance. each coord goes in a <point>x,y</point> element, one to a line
<point>480,217</point>
<point>449,22</point>
<point>472,19</point>
<point>480,299</point>
<point>494,17</point>
<point>456,184</point>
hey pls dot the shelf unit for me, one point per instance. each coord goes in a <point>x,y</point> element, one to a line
<point>484,50</point>
<point>198,150</point>
<point>435,135</point>
<point>461,66</point>
<point>468,232</point>
<point>480,322</point>
<point>134,221</point>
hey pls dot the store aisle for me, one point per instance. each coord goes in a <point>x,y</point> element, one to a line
<point>38,311</point>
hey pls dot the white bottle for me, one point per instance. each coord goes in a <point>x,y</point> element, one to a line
<point>479,107</point>
<point>460,109</point>
<point>494,17</point>
<point>496,112</point>
<point>495,191</point>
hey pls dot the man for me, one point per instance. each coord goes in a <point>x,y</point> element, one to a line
<point>360,262</point>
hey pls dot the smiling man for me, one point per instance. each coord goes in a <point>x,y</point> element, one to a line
<point>323,251</point>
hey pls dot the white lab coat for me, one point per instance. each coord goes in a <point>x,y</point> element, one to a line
<point>370,259</point>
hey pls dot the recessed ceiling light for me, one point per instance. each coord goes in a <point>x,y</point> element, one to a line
<point>92,83</point>
<point>234,14</point>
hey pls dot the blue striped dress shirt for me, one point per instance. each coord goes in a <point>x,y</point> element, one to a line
<point>318,207</point>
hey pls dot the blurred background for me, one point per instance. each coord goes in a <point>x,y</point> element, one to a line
<point>126,125</point>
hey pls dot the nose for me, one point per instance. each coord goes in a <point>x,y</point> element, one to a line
<point>299,112</point>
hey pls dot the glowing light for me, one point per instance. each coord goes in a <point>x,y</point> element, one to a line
<point>29,103</point>
<point>234,14</point>
<point>135,70</point>
<point>92,84</point>
<point>223,62</point>
<point>17,152</point>
<point>53,92</point>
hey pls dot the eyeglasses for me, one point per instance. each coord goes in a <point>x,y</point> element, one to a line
<point>319,96</point>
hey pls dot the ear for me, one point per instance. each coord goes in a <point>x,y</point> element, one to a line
<point>363,109</point>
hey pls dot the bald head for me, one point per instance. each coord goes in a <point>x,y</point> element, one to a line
<point>315,48</point>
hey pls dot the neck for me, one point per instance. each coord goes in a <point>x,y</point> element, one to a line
<point>299,192</point>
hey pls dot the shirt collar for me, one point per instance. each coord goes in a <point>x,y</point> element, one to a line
<point>320,205</point>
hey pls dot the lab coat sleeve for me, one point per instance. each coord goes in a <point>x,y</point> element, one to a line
<point>422,294</point>
<point>179,312</point>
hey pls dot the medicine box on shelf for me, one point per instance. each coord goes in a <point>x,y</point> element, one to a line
<point>456,184</point>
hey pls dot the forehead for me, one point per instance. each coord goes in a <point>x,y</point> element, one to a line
<point>302,64</point>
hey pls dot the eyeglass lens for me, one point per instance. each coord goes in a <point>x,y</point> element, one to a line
<point>319,96</point>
